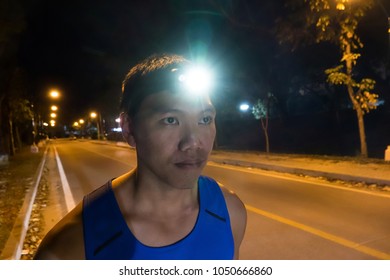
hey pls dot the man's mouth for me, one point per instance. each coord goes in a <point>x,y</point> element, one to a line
<point>189,164</point>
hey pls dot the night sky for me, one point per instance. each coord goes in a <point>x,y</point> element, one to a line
<point>84,48</point>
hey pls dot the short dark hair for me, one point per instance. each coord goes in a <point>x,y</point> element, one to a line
<point>152,75</point>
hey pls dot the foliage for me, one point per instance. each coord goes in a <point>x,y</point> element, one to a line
<point>21,110</point>
<point>342,24</point>
<point>362,93</point>
<point>334,21</point>
<point>20,107</point>
<point>259,110</point>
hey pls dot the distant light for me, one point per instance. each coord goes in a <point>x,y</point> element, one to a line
<point>54,94</point>
<point>244,107</point>
<point>93,115</point>
<point>54,108</point>
<point>380,102</point>
<point>340,5</point>
<point>117,129</point>
<point>118,120</point>
<point>76,124</point>
<point>45,124</point>
<point>81,121</point>
<point>53,115</point>
<point>388,30</point>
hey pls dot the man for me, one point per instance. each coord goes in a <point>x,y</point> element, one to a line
<point>164,209</point>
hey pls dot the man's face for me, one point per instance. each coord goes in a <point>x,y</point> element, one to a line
<point>174,135</point>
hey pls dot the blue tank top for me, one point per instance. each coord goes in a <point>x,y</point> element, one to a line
<point>107,236</point>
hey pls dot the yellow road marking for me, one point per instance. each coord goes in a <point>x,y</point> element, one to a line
<point>347,243</point>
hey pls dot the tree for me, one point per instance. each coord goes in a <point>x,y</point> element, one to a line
<point>335,21</point>
<point>12,24</point>
<point>20,113</point>
<point>261,111</point>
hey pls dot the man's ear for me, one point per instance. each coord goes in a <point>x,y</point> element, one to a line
<point>127,126</point>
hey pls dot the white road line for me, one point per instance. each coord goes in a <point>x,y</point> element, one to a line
<point>69,200</point>
<point>13,247</point>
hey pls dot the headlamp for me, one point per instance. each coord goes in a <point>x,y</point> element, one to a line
<point>194,80</point>
<point>181,79</point>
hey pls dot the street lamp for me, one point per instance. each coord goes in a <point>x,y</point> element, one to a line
<point>244,107</point>
<point>54,94</point>
<point>94,115</point>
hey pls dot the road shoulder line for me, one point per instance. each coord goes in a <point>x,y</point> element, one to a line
<point>69,200</point>
<point>13,247</point>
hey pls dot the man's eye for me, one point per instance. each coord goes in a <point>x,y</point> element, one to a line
<point>206,120</point>
<point>170,120</point>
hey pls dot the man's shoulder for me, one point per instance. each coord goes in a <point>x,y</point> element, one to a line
<point>65,240</point>
<point>232,200</point>
<point>238,216</point>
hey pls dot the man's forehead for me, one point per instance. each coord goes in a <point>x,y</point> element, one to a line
<point>166,101</point>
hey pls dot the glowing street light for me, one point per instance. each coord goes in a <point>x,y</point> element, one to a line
<point>54,94</point>
<point>53,115</point>
<point>94,115</point>
<point>54,108</point>
<point>244,107</point>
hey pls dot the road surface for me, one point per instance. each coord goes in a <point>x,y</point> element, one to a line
<point>288,217</point>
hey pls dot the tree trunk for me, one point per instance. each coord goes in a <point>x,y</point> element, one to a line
<point>356,105</point>
<point>18,139</point>
<point>360,119</point>
<point>362,133</point>
<point>265,129</point>
<point>12,139</point>
<point>266,141</point>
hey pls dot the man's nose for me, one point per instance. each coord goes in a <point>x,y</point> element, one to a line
<point>190,139</point>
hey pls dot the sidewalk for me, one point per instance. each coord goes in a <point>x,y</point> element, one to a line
<point>369,171</point>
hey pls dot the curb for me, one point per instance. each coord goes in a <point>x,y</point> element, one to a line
<point>13,248</point>
<point>314,173</point>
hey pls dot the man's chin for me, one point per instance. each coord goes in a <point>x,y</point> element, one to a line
<point>185,180</point>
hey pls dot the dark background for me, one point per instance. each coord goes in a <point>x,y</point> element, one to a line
<point>84,49</point>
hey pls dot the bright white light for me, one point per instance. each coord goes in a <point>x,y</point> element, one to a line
<point>197,80</point>
<point>244,107</point>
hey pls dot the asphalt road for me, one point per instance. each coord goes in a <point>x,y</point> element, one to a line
<point>288,217</point>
